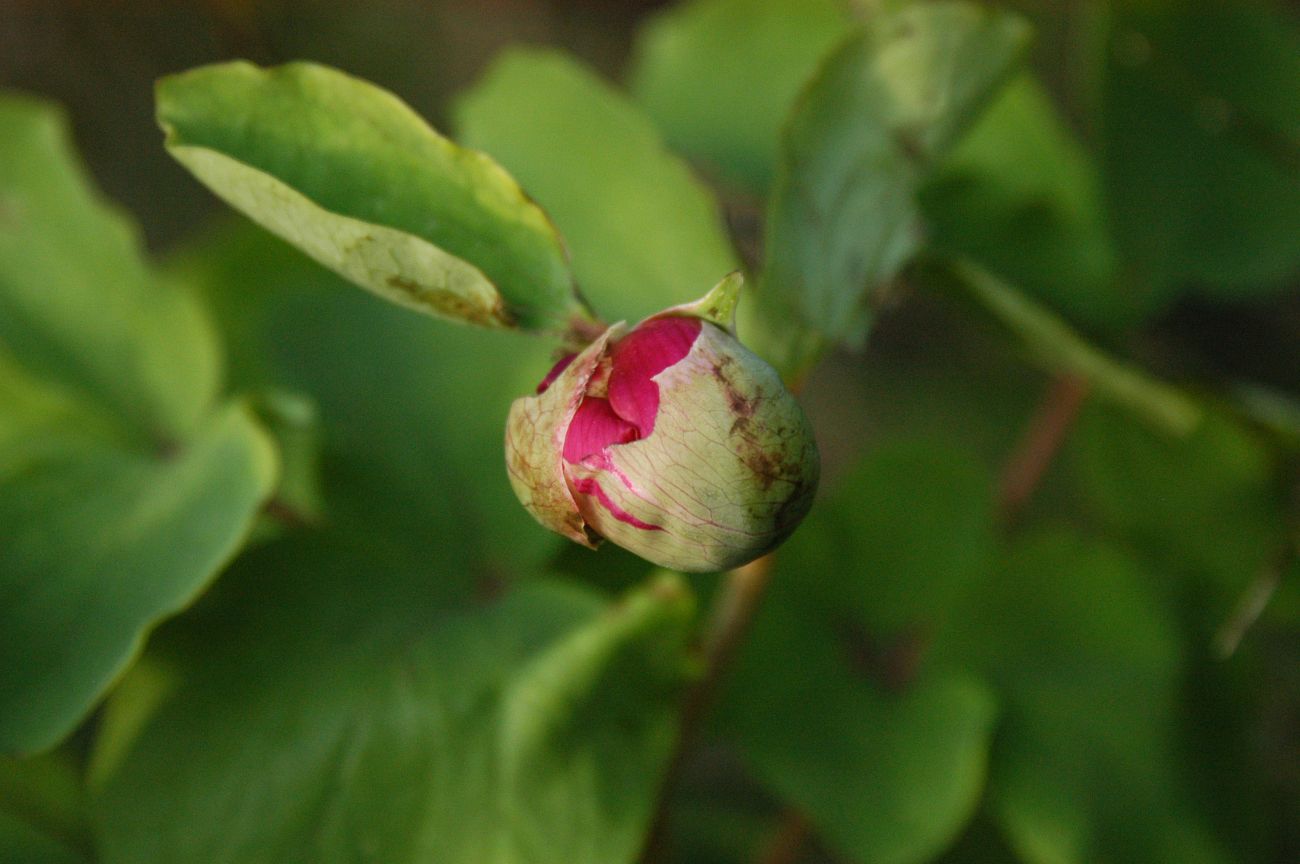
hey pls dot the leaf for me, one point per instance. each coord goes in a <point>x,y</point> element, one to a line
<point>1206,504</point>
<point>887,778</point>
<point>332,709</point>
<point>24,842</point>
<point>123,488</point>
<point>1020,194</point>
<point>348,173</point>
<point>908,529</point>
<point>830,704</point>
<point>98,543</point>
<point>293,422</point>
<point>1089,664</point>
<point>843,218</point>
<point>644,234</point>
<point>1201,147</point>
<point>718,76</point>
<point>408,448</point>
<point>77,302</point>
<point>42,811</point>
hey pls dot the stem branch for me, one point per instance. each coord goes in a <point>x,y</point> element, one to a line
<point>1059,349</point>
<point>1039,444</point>
<point>733,613</point>
<point>1250,606</point>
<point>788,842</point>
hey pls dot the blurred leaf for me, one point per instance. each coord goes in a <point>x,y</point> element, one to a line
<point>880,529</point>
<point>712,824</point>
<point>294,423</point>
<point>829,703</point>
<point>26,844</point>
<point>1202,146</point>
<point>100,542</point>
<point>333,709</point>
<point>1204,502</point>
<point>885,778</point>
<point>411,411</point>
<point>77,302</point>
<point>1086,766</point>
<point>643,233</point>
<point>42,811</point>
<point>352,176</point>
<point>843,218</point>
<point>719,76</point>
<point>1020,194</point>
<point>122,489</point>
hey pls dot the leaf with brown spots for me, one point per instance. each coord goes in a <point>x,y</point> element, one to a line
<point>353,177</point>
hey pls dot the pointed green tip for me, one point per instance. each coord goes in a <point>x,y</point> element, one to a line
<point>719,305</point>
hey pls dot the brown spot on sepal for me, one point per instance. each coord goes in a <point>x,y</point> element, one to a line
<point>769,467</point>
<point>741,406</point>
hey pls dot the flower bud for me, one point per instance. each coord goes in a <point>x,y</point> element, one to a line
<point>672,440</point>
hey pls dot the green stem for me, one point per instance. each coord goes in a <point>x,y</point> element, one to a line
<point>1060,350</point>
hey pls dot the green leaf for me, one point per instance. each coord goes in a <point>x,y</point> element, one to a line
<point>1089,664</point>
<point>1020,194</point>
<point>78,305</point>
<point>122,489</point>
<point>843,218</point>
<point>293,422</point>
<point>718,76</point>
<point>644,234</point>
<point>357,180</point>
<point>1201,147</point>
<point>99,543</point>
<point>42,811</point>
<point>25,843</point>
<point>884,777</point>
<point>411,411</point>
<point>829,702</point>
<point>1206,504</point>
<point>914,523</point>
<point>332,709</point>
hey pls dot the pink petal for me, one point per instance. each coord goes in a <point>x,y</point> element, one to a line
<point>594,428</point>
<point>641,355</point>
<point>555,372</point>
<point>588,486</point>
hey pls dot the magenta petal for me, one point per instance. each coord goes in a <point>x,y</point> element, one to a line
<point>555,372</point>
<point>594,428</point>
<point>587,486</point>
<point>641,355</point>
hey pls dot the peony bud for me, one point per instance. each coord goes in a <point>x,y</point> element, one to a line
<point>672,440</point>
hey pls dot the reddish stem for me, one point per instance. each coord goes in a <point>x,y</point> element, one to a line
<point>788,842</point>
<point>1042,439</point>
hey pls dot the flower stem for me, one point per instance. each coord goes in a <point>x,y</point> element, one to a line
<point>737,604</point>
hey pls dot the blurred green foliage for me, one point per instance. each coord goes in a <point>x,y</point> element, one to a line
<point>125,484</point>
<point>641,231</point>
<point>395,664</point>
